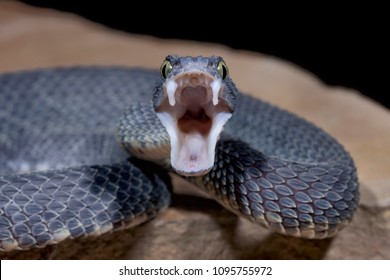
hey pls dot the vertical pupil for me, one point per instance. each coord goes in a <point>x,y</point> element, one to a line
<point>163,70</point>
<point>224,72</point>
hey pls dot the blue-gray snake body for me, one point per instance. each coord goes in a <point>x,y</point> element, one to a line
<point>63,174</point>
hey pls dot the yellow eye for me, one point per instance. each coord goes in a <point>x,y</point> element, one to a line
<point>222,69</point>
<point>165,69</point>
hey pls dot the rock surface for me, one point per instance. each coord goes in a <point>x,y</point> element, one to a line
<point>195,227</point>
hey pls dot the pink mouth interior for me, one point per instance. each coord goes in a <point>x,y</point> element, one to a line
<point>193,123</point>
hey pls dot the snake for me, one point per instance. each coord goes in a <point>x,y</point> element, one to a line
<point>88,150</point>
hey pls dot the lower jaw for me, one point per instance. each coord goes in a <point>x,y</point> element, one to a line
<point>193,174</point>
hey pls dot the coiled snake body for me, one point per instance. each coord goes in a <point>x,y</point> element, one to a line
<point>63,174</point>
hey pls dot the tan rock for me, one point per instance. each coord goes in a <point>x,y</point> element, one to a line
<point>196,227</point>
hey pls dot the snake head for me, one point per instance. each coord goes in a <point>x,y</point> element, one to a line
<point>194,98</point>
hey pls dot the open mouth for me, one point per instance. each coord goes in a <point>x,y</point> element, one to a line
<point>193,114</point>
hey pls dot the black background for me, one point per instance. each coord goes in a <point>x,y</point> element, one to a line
<point>342,47</point>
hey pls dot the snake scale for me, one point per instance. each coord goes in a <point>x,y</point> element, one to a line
<point>63,174</point>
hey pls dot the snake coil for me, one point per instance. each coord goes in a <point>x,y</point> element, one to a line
<point>63,175</point>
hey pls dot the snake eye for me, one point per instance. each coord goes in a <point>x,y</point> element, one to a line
<point>222,69</point>
<point>165,68</point>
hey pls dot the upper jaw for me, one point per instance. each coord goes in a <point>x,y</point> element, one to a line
<point>193,79</point>
<point>193,114</point>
